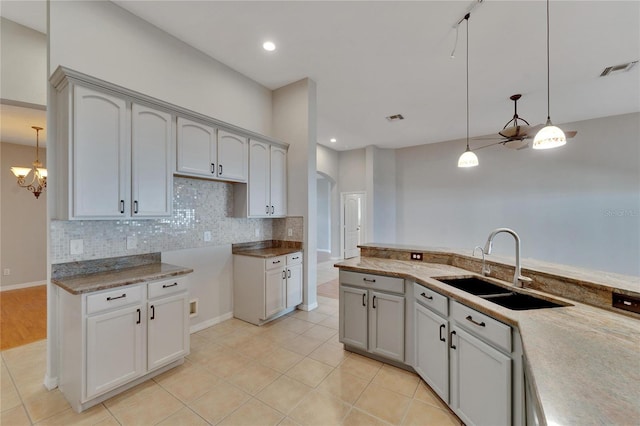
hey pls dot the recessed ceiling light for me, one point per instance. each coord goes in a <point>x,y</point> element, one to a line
<point>333,140</point>
<point>269,46</point>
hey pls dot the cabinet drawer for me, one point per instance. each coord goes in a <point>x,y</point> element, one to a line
<point>106,300</point>
<point>166,287</point>
<point>294,258</point>
<point>430,299</point>
<point>275,262</point>
<point>375,282</point>
<point>491,330</point>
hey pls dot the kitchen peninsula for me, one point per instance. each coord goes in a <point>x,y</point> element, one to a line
<point>581,363</point>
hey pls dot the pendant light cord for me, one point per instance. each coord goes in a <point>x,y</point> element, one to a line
<point>466,17</point>
<point>548,70</point>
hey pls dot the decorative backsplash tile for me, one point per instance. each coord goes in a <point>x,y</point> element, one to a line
<point>281,228</point>
<point>198,206</point>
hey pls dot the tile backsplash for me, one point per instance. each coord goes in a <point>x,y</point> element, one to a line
<point>198,206</point>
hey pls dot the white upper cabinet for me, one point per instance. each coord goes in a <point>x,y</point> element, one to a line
<point>266,192</point>
<point>232,157</point>
<point>197,149</point>
<point>278,182</point>
<point>100,153</point>
<point>151,180</point>
<point>258,188</point>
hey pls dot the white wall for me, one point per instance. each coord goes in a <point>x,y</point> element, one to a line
<point>352,171</point>
<point>294,122</point>
<point>328,164</point>
<point>23,222</point>
<point>576,205</point>
<point>105,41</point>
<point>381,194</point>
<point>211,281</point>
<point>324,214</point>
<point>23,56</point>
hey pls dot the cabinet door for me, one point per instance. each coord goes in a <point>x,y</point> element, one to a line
<point>258,197</point>
<point>101,151</point>
<point>353,317</point>
<point>294,285</point>
<point>168,330</point>
<point>196,148</point>
<point>232,157</point>
<point>151,169</point>
<point>386,325</point>
<point>274,292</point>
<point>480,381</point>
<point>115,349</point>
<point>432,349</point>
<point>278,180</point>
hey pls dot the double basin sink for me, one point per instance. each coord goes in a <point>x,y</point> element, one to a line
<point>499,295</point>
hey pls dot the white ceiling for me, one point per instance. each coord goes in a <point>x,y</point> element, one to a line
<point>15,126</point>
<point>371,59</point>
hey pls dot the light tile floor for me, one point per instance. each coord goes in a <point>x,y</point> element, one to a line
<point>292,371</point>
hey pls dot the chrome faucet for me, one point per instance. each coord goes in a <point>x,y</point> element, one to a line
<point>517,277</point>
<point>486,270</point>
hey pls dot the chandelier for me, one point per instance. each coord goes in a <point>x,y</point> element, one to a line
<point>38,181</point>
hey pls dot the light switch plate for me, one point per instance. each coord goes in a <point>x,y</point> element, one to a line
<point>76,246</point>
<point>290,232</point>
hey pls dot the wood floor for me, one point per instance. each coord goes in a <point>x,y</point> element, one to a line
<point>23,316</point>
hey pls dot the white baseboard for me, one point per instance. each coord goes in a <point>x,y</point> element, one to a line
<point>50,382</point>
<point>23,285</point>
<point>308,307</point>
<point>208,323</point>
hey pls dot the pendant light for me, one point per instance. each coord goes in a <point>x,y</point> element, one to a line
<point>549,136</point>
<point>468,158</point>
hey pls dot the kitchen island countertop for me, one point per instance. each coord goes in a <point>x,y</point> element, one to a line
<point>584,361</point>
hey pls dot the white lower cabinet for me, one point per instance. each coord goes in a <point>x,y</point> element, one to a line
<point>266,288</point>
<point>480,381</point>
<point>110,340</point>
<point>371,317</point>
<point>432,349</point>
<point>115,349</point>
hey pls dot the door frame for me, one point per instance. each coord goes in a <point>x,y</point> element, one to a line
<point>363,227</point>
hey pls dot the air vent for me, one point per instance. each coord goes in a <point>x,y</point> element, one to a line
<point>396,117</point>
<point>618,68</point>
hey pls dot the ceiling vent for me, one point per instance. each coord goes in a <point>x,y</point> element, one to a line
<point>618,68</point>
<point>396,117</point>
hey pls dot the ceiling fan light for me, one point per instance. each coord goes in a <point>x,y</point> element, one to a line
<point>468,159</point>
<point>549,137</point>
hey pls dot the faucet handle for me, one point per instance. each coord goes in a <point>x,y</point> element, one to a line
<point>486,269</point>
<point>524,279</point>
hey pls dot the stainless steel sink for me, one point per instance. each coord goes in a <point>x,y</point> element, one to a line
<point>499,295</point>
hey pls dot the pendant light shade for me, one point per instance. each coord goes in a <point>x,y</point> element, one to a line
<point>468,158</point>
<point>549,136</point>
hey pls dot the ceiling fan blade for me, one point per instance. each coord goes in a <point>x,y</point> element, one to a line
<point>517,144</point>
<point>487,138</point>
<point>515,131</point>
<point>570,133</point>
<point>487,146</point>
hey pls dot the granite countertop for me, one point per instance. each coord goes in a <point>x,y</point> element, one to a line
<point>584,362</point>
<point>86,283</point>
<point>267,252</point>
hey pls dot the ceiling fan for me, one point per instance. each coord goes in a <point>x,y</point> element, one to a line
<point>517,132</point>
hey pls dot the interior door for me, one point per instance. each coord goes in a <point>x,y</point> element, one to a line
<point>353,220</point>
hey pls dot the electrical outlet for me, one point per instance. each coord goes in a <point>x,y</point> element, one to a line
<point>207,236</point>
<point>76,246</point>
<point>290,232</point>
<point>6,272</point>
<point>416,256</point>
<point>132,242</point>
